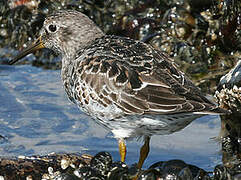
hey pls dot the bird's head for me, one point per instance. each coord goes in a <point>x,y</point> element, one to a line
<point>64,32</point>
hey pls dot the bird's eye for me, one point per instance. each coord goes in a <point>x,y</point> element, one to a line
<point>52,28</point>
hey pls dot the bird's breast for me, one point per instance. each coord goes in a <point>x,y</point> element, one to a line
<point>80,89</point>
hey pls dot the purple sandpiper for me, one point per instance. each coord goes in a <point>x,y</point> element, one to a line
<point>126,85</point>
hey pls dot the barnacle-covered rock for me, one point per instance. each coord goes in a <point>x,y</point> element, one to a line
<point>74,166</point>
<point>37,167</point>
<point>229,96</point>
<point>229,90</point>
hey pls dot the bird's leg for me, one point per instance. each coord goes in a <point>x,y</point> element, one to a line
<point>122,149</point>
<point>144,152</point>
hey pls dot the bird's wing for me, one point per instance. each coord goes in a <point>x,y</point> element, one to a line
<point>138,79</point>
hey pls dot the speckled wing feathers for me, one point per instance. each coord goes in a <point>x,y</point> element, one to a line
<point>134,77</point>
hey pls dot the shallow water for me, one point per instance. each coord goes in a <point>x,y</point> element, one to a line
<point>37,118</point>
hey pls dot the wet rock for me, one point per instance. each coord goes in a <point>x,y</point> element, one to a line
<point>185,173</point>
<point>118,171</point>
<point>87,172</point>
<point>220,172</point>
<point>101,162</point>
<point>150,174</point>
<point>237,177</point>
<point>174,169</point>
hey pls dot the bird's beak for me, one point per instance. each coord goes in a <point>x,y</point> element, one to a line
<point>38,44</point>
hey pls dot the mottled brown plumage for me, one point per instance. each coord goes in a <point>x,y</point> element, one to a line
<point>125,85</point>
<point>135,77</point>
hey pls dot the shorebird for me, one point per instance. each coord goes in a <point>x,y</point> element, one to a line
<point>126,85</point>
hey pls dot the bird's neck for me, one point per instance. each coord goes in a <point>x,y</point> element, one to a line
<point>77,44</point>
